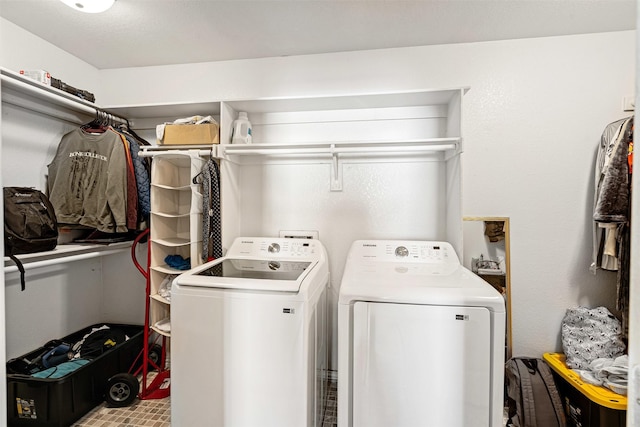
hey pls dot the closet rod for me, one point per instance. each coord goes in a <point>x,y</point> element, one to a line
<point>366,149</point>
<point>201,153</point>
<point>39,92</point>
<point>58,261</point>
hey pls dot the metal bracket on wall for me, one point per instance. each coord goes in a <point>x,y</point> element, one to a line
<point>629,103</point>
<point>336,170</point>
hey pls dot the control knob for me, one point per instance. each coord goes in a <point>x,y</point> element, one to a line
<point>274,265</point>
<point>402,251</point>
<point>274,248</point>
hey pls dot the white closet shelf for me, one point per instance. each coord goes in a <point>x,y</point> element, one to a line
<point>149,150</point>
<point>348,101</point>
<point>173,187</point>
<point>166,269</point>
<point>18,82</point>
<point>343,147</point>
<point>28,93</point>
<point>148,116</point>
<point>160,331</point>
<point>65,253</point>
<point>172,241</point>
<point>160,298</point>
<point>153,112</point>
<point>172,214</point>
<point>449,147</point>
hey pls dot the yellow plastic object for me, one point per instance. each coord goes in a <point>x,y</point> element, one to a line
<point>600,395</point>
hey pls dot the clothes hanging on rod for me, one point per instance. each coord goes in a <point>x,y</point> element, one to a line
<point>87,181</point>
<point>605,233</point>
<point>142,175</point>
<point>97,180</point>
<point>132,189</point>
<point>611,211</point>
<point>138,179</point>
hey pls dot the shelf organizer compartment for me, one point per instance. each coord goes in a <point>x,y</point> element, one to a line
<point>159,312</point>
<point>160,250</point>
<point>171,201</point>
<point>176,223</point>
<point>172,170</point>
<point>172,227</point>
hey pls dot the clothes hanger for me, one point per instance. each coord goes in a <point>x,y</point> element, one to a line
<point>97,125</point>
<point>92,123</point>
<point>126,127</point>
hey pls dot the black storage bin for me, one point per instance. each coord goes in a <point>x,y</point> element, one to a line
<point>62,401</point>
<point>586,405</point>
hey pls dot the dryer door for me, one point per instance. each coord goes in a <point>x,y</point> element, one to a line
<point>421,365</point>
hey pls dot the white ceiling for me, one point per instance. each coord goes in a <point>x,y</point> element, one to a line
<point>136,33</point>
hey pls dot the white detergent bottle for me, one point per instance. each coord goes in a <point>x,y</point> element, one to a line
<point>241,133</point>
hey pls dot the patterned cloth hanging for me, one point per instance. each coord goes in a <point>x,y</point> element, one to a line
<point>211,228</point>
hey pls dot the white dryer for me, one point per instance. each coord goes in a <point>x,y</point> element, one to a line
<point>248,336</point>
<point>421,339</point>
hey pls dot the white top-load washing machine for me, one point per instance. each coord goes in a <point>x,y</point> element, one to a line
<point>248,336</point>
<point>421,339</point>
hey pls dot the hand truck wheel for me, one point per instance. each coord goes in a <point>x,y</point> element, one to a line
<point>122,390</point>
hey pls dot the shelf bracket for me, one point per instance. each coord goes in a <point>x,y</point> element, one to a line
<point>336,170</point>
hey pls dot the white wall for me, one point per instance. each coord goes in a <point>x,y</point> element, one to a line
<point>533,119</point>
<point>21,50</point>
<point>532,123</point>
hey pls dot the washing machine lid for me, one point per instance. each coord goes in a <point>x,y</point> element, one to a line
<point>249,274</point>
<point>260,264</point>
<point>414,273</point>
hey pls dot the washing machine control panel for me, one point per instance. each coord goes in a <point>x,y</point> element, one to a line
<point>275,248</point>
<point>406,251</point>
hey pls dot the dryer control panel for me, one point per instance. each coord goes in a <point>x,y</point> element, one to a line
<point>275,248</point>
<point>405,251</point>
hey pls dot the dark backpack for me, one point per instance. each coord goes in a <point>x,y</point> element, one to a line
<point>29,224</point>
<point>99,342</point>
<point>532,396</point>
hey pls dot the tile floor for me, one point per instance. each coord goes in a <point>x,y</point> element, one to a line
<point>330,418</point>
<point>142,413</point>
<point>157,413</point>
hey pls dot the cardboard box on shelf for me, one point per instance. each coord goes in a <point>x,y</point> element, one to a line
<point>188,134</point>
